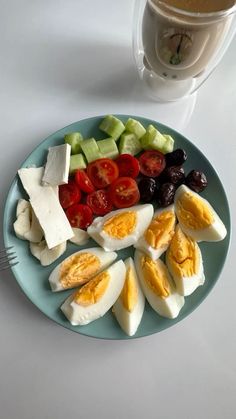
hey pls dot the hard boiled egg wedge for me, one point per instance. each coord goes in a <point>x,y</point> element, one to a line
<point>184,261</point>
<point>96,297</point>
<point>121,228</point>
<point>158,286</point>
<point>79,268</point>
<point>159,233</point>
<point>129,307</point>
<point>196,216</point>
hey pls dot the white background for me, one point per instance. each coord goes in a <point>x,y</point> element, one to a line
<point>62,61</point>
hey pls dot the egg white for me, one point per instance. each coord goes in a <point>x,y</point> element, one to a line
<point>129,321</point>
<point>215,232</point>
<point>145,247</point>
<point>144,216</point>
<point>186,285</point>
<point>166,307</point>
<point>106,258</point>
<point>79,315</point>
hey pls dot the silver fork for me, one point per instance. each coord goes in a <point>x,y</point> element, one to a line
<point>7,258</point>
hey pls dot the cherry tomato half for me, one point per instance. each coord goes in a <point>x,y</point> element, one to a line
<point>102,172</point>
<point>69,194</point>
<point>83,181</point>
<point>99,202</point>
<point>152,163</point>
<point>79,215</point>
<point>127,165</point>
<point>124,192</point>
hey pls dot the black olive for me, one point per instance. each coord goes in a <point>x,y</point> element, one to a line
<point>196,180</point>
<point>173,174</point>
<point>147,188</point>
<point>165,194</point>
<point>176,157</point>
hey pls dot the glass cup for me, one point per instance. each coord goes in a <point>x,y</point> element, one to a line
<point>176,49</point>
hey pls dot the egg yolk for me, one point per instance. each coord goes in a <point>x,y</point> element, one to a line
<point>183,255</point>
<point>121,225</point>
<point>129,293</point>
<point>156,276</point>
<point>78,269</point>
<point>193,212</point>
<point>93,291</point>
<point>161,230</point>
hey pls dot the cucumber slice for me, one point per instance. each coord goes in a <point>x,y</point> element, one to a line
<point>74,139</point>
<point>112,126</point>
<point>129,144</point>
<point>135,127</point>
<point>77,161</point>
<point>153,139</point>
<point>169,144</point>
<point>108,148</point>
<point>90,149</point>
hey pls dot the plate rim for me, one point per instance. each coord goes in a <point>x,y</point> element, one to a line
<point>149,121</point>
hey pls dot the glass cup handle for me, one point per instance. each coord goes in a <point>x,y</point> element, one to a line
<point>137,35</point>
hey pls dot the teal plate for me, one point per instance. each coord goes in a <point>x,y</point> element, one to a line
<point>33,278</point>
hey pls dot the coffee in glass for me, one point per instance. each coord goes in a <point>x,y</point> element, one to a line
<point>178,43</point>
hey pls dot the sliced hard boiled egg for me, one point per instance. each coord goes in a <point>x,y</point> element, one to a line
<point>96,297</point>
<point>184,261</point>
<point>159,233</point>
<point>129,307</point>
<point>196,216</point>
<point>158,286</point>
<point>121,228</point>
<point>80,237</point>
<point>79,268</point>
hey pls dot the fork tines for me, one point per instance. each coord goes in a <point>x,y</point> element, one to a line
<point>7,258</point>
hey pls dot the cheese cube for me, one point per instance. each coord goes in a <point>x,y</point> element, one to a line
<point>57,167</point>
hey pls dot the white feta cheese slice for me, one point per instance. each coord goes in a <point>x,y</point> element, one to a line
<point>56,171</point>
<point>45,255</point>
<point>22,204</point>
<point>80,238</point>
<point>46,206</point>
<point>22,224</point>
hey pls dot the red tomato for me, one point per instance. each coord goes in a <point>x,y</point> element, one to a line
<point>102,172</point>
<point>128,165</point>
<point>152,163</point>
<point>99,202</point>
<point>83,181</point>
<point>124,192</point>
<point>69,194</point>
<point>79,215</point>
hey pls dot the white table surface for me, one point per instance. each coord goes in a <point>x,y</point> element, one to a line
<point>62,61</point>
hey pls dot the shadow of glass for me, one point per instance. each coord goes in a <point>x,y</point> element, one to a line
<point>77,65</point>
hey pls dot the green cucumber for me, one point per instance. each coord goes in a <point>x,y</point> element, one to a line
<point>169,144</point>
<point>74,139</point>
<point>112,126</point>
<point>135,127</point>
<point>90,149</point>
<point>129,144</point>
<point>153,139</point>
<point>77,161</point>
<point>108,148</point>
